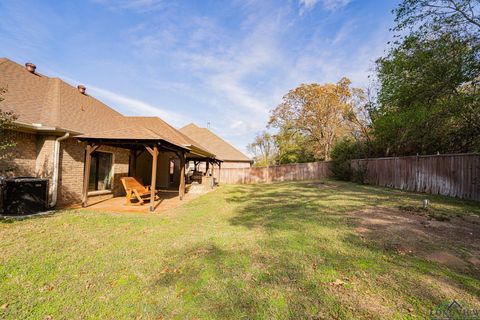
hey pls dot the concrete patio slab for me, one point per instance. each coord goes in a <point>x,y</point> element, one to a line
<point>167,200</point>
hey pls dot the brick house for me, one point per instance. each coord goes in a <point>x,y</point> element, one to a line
<point>82,145</point>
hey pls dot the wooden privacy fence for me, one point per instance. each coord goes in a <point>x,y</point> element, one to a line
<point>455,175</point>
<point>288,172</point>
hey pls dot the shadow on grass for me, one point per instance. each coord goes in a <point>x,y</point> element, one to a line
<point>8,219</point>
<point>223,284</point>
<point>283,205</point>
<point>310,246</point>
<point>282,281</point>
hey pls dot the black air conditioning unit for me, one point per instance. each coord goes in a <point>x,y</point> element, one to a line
<point>24,195</point>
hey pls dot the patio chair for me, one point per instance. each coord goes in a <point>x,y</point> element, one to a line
<point>135,190</point>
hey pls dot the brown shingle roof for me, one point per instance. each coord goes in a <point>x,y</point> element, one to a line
<point>161,127</point>
<point>223,150</point>
<point>52,102</point>
<point>124,133</point>
<point>35,98</point>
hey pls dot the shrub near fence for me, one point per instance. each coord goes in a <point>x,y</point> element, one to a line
<point>287,172</point>
<point>455,175</point>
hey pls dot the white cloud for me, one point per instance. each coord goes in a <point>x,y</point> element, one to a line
<point>329,5</point>
<point>227,64</point>
<point>222,63</point>
<point>236,124</point>
<point>342,34</point>
<point>241,75</point>
<point>129,106</point>
<point>332,5</point>
<point>307,5</point>
<point>137,106</point>
<point>237,94</point>
<point>342,59</point>
<point>135,5</point>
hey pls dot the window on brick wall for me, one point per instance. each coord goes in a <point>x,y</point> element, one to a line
<point>101,171</point>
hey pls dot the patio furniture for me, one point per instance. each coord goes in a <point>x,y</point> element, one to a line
<point>197,176</point>
<point>135,190</point>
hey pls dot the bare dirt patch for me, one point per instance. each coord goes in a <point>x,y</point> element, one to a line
<point>320,184</point>
<point>454,243</point>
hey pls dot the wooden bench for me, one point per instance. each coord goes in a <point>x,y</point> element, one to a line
<point>135,190</point>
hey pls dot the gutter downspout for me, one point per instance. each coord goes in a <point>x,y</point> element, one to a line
<point>56,165</point>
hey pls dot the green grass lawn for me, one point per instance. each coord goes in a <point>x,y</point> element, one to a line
<point>302,250</point>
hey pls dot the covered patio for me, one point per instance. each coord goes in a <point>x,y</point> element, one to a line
<point>139,140</point>
<point>166,200</point>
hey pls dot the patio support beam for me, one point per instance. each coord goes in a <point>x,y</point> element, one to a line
<point>219,171</point>
<point>86,174</point>
<point>181,187</point>
<point>207,166</point>
<point>154,153</point>
<point>150,150</point>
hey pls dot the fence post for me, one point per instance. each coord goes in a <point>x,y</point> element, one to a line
<point>416,173</point>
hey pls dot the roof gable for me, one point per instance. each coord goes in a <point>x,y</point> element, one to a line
<point>26,103</point>
<point>36,98</point>
<point>214,143</point>
<point>162,128</point>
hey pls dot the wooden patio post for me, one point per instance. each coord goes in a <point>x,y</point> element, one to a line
<point>219,171</point>
<point>154,153</point>
<point>86,174</point>
<point>213,175</point>
<point>181,187</point>
<point>207,166</point>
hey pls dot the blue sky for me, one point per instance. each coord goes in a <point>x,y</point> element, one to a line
<point>218,62</point>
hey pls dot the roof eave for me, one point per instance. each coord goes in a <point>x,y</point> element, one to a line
<point>200,152</point>
<point>132,141</point>
<point>237,160</point>
<point>38,127</point>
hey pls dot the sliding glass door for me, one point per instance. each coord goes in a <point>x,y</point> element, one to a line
<point>101,171</point>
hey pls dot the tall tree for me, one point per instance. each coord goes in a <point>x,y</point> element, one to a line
<point>461,17</point>
<point>428,99</point>
<point>293,147</point>
<point>263,149</point>
<point>321,114</point>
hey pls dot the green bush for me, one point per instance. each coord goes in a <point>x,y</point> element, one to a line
<point>359,174</point>
<point>344,151</point>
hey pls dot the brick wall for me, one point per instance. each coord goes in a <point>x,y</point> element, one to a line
<point>33,156</point>
<point>72,157</point>
<point>21,159</point>
<point>44,161</point>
